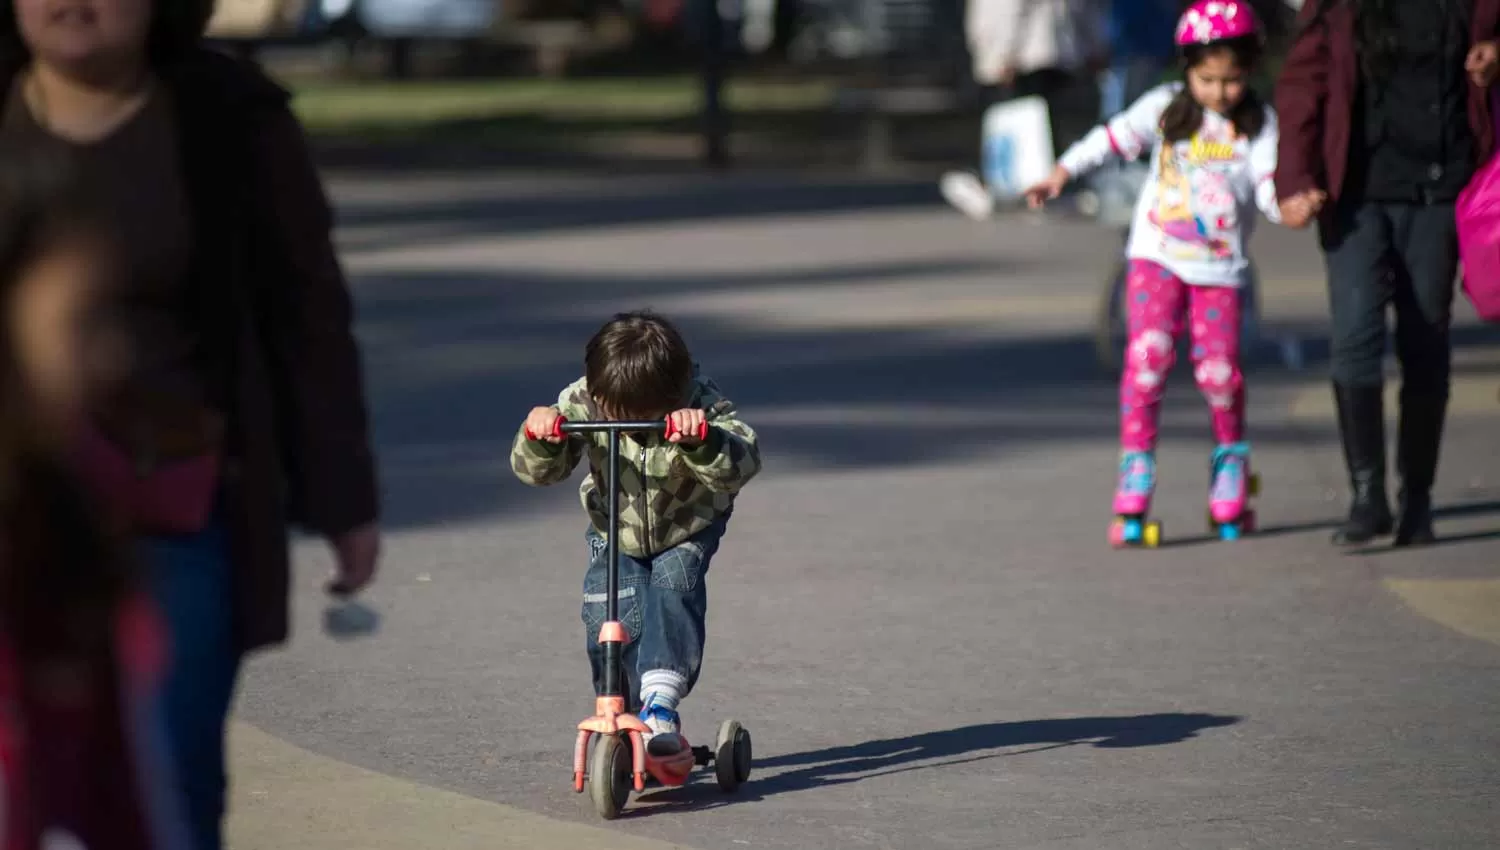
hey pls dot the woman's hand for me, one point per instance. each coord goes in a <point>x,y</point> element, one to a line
<point>1483,63</point>
<point>356,554</point>
<point>1048,189</point>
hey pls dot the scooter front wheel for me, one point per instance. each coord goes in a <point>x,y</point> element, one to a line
<point>610,775</point>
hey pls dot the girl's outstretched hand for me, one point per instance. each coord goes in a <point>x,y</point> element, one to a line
<point>1300,209</point>
<point>1048,189</point>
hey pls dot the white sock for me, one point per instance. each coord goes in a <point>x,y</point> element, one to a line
<point>663,688</point>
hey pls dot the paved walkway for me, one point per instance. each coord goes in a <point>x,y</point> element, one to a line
<point>915,611</point>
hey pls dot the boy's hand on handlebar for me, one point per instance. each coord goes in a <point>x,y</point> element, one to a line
<point>1048,189</point>
<point>684,426</point>
<point>541,424</point>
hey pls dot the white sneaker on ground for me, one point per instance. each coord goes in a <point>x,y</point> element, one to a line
<point>967,194</point>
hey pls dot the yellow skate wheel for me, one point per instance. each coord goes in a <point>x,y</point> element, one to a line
<point>1151,535</point>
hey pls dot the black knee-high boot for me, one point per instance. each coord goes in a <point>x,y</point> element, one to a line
<point>1417,448</point>
<point>1361,413</point>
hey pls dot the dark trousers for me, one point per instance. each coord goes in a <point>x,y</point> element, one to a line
<point>1392,255</point>
<point>1402,256</point>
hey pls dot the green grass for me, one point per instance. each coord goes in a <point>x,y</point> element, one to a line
<point>417,109</point>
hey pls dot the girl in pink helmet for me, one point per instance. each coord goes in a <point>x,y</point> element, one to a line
<point>1213,154</point>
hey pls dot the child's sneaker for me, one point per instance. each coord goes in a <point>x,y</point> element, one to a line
<point>665,737</point>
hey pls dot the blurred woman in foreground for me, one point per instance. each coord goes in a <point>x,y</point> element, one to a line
<point>244,408</point>
<point>82,760</point>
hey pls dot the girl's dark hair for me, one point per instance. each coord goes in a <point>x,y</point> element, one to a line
<point>176,30</point>
<point>638,365</point>
<point>62,575</point>
<point>1184,115</point>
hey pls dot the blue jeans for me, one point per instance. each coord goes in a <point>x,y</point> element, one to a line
<point>193,584</point>
<point>663,604</point>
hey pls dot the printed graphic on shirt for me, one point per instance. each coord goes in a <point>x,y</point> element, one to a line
<point>1196,210</point>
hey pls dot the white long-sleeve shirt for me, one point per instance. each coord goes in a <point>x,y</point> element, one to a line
<point>1197,209</point>
<point>1029,35</point>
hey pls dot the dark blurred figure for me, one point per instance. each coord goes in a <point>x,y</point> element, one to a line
<point>244,409</point>
<point>81,752</point>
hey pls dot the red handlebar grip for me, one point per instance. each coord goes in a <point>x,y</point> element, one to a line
<point>702,430</point>
<point>556,429</point>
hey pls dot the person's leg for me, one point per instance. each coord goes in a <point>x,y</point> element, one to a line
<point>1427,243</point>
<point>192,582</point>
<point>673,633</point>
<point>1216,326</point>
<point>1071,103</point>
<point>633,578</point>
<point>1214,317</point>
<point>1154,300</point>
<point>1358,258</point>
<point>967,191</point>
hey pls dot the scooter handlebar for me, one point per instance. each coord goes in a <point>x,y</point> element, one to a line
<point>665,426</point>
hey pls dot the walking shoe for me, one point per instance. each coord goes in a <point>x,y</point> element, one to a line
<point>1417,449</point>
<point>665,737</point>
<point>967,194</point>
<point>1361,412</point>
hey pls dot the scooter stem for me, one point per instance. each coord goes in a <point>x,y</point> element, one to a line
<point>612,649</point>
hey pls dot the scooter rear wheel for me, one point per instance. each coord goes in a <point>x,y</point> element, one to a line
<point>610,775</point>
<point>732,756</point>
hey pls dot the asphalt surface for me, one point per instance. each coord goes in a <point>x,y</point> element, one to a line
<point>915,610</point>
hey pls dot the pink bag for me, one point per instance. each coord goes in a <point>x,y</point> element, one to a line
<point>1478,214</point>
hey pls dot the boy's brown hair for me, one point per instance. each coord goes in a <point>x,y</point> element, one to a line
<point>638,366</point>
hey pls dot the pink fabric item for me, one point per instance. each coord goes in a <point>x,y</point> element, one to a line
<point>175,497</point>
<point>1208,21</point>
<point>1158,305</point>
<point>1478,214</point>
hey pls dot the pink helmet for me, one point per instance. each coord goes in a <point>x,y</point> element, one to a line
<point>1208,21</point>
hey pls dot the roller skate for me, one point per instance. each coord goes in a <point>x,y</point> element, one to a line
<point>1133,502</point>
<point>1231,486</point>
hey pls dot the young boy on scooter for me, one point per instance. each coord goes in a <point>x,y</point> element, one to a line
<point>676,497</point>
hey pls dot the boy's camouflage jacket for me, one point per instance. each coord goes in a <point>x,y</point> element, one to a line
<point>667,493</point>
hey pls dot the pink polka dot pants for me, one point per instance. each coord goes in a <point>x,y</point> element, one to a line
<point>1157,305</point>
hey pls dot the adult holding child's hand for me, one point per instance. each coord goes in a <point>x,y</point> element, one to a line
<point>1416,73</point>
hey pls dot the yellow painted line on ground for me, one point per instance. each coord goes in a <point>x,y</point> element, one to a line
<point>286,798</point>
<point>1467,606</point>
<point>1471,395</point>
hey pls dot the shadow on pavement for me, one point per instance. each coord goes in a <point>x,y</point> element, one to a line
<point>1460,511</point>
<point>1450,512</point>
<point>457,358</point>
<point>948,748</point>
<point>518,214</point>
